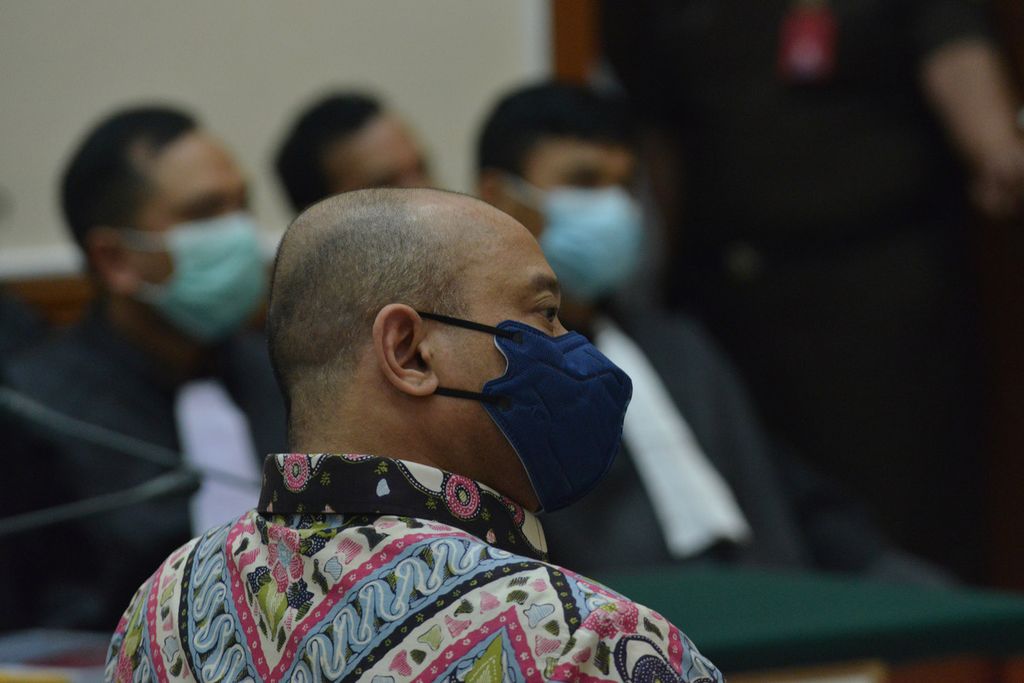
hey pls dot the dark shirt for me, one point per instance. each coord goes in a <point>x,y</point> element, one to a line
<point>19,326</point>
<point>822,241</point>
<point>93,374</point>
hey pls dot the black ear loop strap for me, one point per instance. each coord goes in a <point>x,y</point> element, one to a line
<point>516,336</point>
<point>501,402</point>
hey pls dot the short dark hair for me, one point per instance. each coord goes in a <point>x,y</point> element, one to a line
<point>299,161</point>
<point>529,115</point>
<point>102,184</point>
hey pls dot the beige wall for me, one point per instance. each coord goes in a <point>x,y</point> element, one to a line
<point>244,66</point>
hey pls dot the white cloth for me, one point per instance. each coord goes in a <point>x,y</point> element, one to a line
<point>692,502</point>
<point>215,440</point>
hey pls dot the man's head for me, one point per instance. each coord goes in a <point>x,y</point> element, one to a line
<point>559,159</point>
<point>136,177</point>
<point>552,135</point>
<point>359,366</point>
<point>348,142</point>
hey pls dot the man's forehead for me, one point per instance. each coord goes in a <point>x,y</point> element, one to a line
<point>510,265</point>
<point>195,163</point>
<point>385,134</point>
<point>567,154</point>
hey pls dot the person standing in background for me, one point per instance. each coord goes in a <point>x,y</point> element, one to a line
<point>699,478</point>
<point>820,231</point>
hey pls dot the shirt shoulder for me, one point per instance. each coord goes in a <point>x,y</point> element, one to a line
<point>363,598</point>
<point>621,640</point>
<point>146,644</point>
<point>20,327</point>
<point>74,372</point>
<point>36,366</point>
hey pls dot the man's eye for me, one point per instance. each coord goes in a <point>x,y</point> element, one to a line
<point>551,314</point>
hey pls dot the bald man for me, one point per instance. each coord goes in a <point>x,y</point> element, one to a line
<point>435,403</point>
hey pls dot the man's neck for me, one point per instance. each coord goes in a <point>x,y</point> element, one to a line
<point>180,356</point>
<point>374,438</point>
<point>378,421</point>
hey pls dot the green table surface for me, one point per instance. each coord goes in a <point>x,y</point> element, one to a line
<point>744,619</point>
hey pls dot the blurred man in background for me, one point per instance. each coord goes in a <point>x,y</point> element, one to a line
<point>161,362</point>
<point>810,159</point>
<point>348,141</point>
<point>700,478</point>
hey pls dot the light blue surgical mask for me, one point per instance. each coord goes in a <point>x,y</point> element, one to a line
<point>218,279</point>
<point>593,238</point>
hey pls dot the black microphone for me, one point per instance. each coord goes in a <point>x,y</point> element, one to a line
<point>31,411</point>
<point>171,483</point>
<point>180,479</point>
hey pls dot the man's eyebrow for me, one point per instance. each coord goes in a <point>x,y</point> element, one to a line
<point>209,201</point>
<point>202,204</point>
<point>544,282</point>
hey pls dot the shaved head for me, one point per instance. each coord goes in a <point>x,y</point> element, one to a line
<point>361,370</point>
<point>345,258</point>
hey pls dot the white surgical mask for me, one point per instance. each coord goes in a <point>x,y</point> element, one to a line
<point>593,238</point>
<point>218,279</point>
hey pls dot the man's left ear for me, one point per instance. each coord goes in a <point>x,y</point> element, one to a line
<point>402,356</point>
<point>490,187</point>
<point>109,260</point>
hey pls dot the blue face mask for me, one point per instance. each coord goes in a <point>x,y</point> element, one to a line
<point>560,404</point>
<point>593,238</point>
<point>218,279</point>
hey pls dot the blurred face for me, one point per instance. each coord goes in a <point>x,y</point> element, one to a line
<point>557,163</point>
<point>191,179</point>
<point>383,153</point>
<point>593,247</point>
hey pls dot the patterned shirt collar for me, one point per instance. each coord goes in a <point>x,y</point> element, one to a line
<point>299,483</point>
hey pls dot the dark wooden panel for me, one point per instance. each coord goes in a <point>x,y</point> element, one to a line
<point>1002,290</point>
<point>576,36</point>
<point>61,300</point>
<point>1010,20</point>
<point>960,670</point>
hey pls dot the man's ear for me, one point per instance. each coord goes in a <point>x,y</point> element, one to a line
<point>490,187</point>
<point>108,257</point>
<point>402,355</point>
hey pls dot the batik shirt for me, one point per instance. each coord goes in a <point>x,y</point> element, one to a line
<point>361,568</point>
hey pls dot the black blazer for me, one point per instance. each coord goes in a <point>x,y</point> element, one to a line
<point>83,574</point>
<point>799,519</point>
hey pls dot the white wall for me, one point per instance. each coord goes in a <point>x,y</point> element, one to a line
<point>245,67</point>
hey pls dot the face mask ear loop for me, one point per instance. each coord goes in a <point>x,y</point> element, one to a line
<point>525,192</point>
<point>515,336</point>
<point>502,402</point>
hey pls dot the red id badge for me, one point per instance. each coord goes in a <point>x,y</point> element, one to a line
<point>807,43</point>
